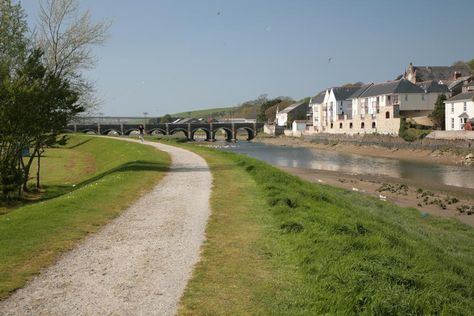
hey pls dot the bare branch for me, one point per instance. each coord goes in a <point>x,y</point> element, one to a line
<point>67,37</point>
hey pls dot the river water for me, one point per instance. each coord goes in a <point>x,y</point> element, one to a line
<point>460,176</point>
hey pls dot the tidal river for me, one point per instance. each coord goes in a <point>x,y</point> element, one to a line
<point>460,176</point>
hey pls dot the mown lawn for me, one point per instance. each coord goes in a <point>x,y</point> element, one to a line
<point>116,173</point>
<point>277,245</point>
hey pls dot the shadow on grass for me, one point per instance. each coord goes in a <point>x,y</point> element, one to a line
<point>54,191</point>
<point>79,144</point>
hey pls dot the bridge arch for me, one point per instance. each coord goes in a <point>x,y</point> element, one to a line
<point>110,131</point>
<point>130,131</point>
<point>205,130</point>
<point>250,132</point>
<point>156,131</point>
<point>89,131</point>
<point>177,130</point>
<point>228,133</point>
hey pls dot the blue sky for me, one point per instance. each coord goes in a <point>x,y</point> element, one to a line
<point>175,55</point>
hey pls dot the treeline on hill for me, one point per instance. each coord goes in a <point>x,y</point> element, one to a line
<point>41,88</point>
<point>263,109</point>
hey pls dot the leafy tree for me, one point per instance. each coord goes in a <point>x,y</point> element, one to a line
<point>52,103</point>
<point>166,119</point>
<point>438,115</point>
<point>355,84</point>
<point>471,65</point>
<point>262,117</point>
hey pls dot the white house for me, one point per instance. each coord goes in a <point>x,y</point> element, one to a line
<point>411,99</point>
<point>314,106</point>
<point>459,110</point>
<point>373,108</point>
<point>292,112</point>
<point>331,105</point>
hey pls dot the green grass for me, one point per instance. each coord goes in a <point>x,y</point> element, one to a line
<point>33,236</point>
<point>282,246</point>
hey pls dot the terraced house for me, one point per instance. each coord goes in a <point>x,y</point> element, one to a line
<point>374,108</point>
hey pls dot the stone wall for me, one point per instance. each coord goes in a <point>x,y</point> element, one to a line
<point>390,141</point>
<point>450,135</point>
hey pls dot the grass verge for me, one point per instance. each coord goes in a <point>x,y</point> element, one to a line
<point>33,236</point>
<point>279,245</point>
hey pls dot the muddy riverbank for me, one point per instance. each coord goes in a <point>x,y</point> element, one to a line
<point>430,198</point>
<point>454,156</point>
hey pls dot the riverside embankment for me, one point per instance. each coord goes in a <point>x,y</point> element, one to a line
<point>405,177</point>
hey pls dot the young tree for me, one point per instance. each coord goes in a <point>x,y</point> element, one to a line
<point>49,103</point>
<point>66,35</point>
<point>438,115</point>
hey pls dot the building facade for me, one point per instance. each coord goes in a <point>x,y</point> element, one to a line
<point>374,108</point>
<point>459,110</point>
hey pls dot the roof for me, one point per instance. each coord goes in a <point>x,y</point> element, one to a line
<point>466,96</point>
<point>291,107</point>
<point>425,73</point>
<point>318,98</point>
<point>452,84</point>
<point>361,90</point>
<point>344,93</point>
<point>433,86</point>
<point>464,115</point>
<point>399,86</point>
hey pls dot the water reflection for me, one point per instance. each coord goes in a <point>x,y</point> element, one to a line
<point>461,176</point>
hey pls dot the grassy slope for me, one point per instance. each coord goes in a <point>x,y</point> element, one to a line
<point>206,112</point>
<point>32,237</point>
<point>279,245</point>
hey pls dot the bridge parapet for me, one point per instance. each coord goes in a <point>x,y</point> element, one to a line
<point>189,130</point>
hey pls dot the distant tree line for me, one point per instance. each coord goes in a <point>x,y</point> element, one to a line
<point>41,87</point>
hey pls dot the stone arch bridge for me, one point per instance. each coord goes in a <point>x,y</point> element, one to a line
<point>188,129</point>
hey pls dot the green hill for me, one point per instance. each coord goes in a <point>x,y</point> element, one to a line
<point>214,112</point>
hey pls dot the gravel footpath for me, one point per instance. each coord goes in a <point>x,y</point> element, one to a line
<point>138,264</point>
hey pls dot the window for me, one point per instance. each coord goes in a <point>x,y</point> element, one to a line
<point>422,97</point>
<point>350,125</point>
<point>406,97</point>
<point>332,125</point>
<point>465,106</point>
<point>387,115</point>
<point>373,125</point>
<point>452,108</point>
<point>340,125</point>
<point>362,125</point>
<point>452,123</point>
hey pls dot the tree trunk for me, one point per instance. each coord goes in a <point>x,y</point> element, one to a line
<point>26,169</point>
<point>38,172</point>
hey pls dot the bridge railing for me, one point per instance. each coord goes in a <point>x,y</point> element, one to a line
<point>188,129</point>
